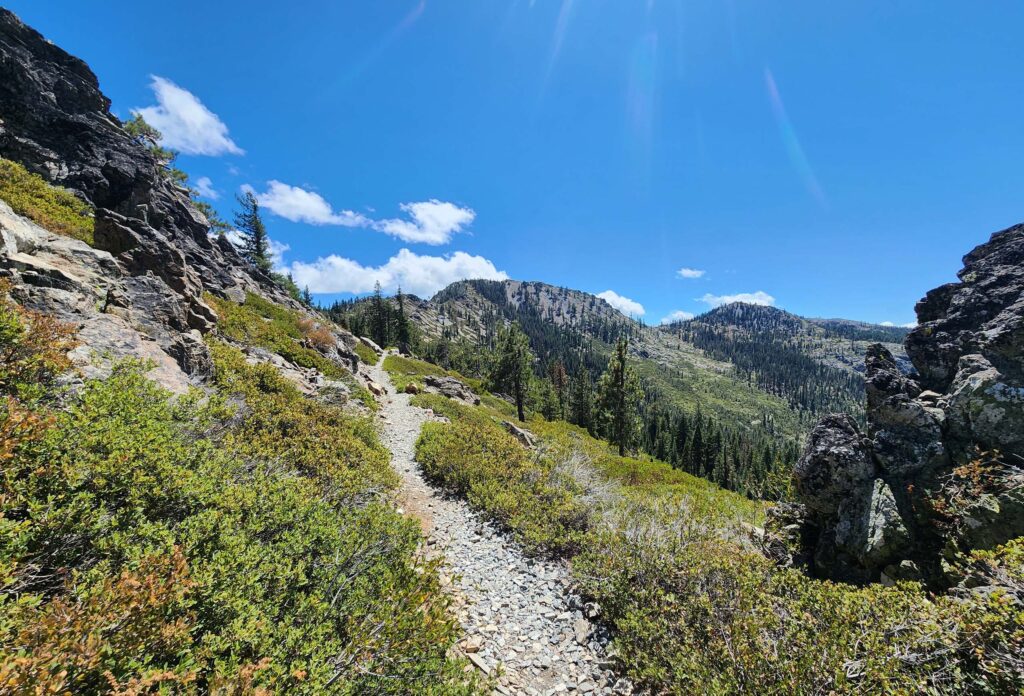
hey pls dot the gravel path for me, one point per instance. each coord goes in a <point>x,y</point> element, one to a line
<point>521,622</point>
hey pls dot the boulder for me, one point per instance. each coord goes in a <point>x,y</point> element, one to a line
<point>939,469</point>
<point>371,345</point>
<point>985,410</point>
<point>525,437</point>
<point>835,464</point>
<point>451,388</point>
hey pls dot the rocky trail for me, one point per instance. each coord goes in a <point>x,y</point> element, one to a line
<point>522,623</point>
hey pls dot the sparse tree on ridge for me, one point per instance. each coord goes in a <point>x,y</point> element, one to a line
<point>255,244</point>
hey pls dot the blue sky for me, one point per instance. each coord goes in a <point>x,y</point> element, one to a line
<point>836,159</point>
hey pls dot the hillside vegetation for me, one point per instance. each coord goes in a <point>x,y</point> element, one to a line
<point>230,543</point>
<point>692,605</point>
<point>51,207</point>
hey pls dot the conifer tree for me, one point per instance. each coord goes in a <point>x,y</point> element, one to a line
<point>307,297</point>
<point>560,385</point>
<point>255,244</point>
<point>379,320</point>
<point>619,395</point>
<point>511,370</point>
<point>581,400</point>
<point>402,332</point>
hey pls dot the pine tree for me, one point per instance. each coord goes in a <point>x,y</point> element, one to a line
<point>581,400</point>
<point>255,244</point>
<point>380,319</point>
<point>307,297</point>
<point>511,371</point>
<point>619,395</point>
<point>402,333</point>
<point>560,384</point>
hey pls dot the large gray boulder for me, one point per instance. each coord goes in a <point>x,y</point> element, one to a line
<point>940,468</point>
<point>836,464</point>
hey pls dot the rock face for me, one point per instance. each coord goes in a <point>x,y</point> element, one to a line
<point>159,256</point>
<point>450,387</point>
<point>939,468</point>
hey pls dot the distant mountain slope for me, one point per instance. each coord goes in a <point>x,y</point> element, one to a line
<point>815,364</point>
<point>750,366</point>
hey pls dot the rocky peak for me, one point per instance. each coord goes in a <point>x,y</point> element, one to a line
<point>153,256</point>
<point>939,469</point>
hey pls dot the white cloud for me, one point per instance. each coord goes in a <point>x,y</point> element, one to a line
<point>299,205</point>
<point>430,222</point>
<point>909,325</point>
<point>625,305</point>
<point>419,275</point>
<point>758,298</point>
<point>185,124</point>
<point>690,273</point>
<point>205,188</point>
<point>433,222</point>
<point>678,315</point>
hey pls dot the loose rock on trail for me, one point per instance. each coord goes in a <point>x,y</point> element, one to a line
<point>522,622</point>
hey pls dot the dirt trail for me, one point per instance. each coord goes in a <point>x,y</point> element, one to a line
<point>520,619</point>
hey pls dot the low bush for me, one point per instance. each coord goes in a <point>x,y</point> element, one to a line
<point>236,542</point>
<point>479,460</point>
<point>367,354</point>
<point>54,208</point>
<point>262,323</point>
<point>404,371</point>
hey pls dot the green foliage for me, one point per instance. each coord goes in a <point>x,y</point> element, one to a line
<point>217,224</point>
<point>695,613</point>
<point>618,398</point>
<point>239,542</point>
<point>479,460</point>
<point>367,354</point>
<point>404,371</point>
<point>691,607</point>
<point>286,332</point>
<point>148,136</point>
<point>512,367</point>
<point>49,206</point>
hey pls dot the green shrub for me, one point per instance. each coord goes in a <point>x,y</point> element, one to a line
<point>51,207</point>
<point>263,323</point>
<point>479,460</point>
<point>404,371</point>
<point>228,543</point>
<point>367,354</point>
<point>694,613</point>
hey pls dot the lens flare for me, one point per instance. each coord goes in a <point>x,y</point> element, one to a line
<point>792,144</point>
<point>642,90</point>
<point>360,66</point>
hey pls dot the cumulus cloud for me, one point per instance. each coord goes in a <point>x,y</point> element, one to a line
<point>678,315</point>
<point>690,273</point>
<point>419,275</point>
<point>299,205</point>
<point>909,325</point>
<point>625,305</point>
<point>759,298</point>
<point>429,222</point>
<point>432,222</point>
<point>205,188</point>
<point>185,124</point>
